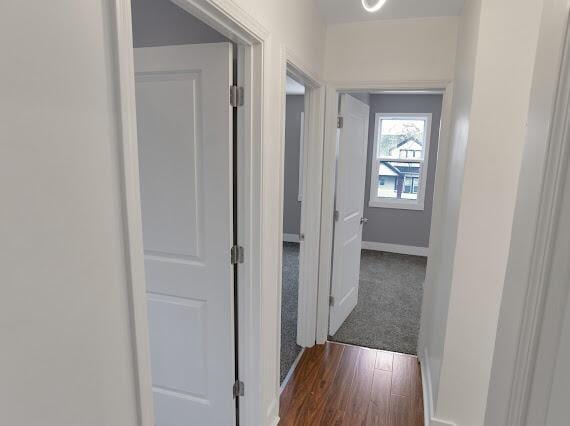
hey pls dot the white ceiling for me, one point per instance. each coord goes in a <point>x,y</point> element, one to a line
<point>338,11</point>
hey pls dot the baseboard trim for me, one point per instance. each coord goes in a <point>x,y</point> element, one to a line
<point>291,370</point>
<point>291,238</point>
<point>395,248</point>
<point>429,419</point>
<point>273,413</point>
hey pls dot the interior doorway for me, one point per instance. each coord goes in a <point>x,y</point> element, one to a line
<point>386,157</point>
<point>192,141</point>
<point>293,236</point>
<point>302,134</point>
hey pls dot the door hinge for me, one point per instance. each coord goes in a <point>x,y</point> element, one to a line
<point>340,122</point>
<point>236,96</point>
<point>331,300</point>
<point>236,255</point>
<point>239,389</point>
<point>336,215</point>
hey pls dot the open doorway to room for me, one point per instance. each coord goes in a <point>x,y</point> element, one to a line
<point>386,165</point>
<point>191,141</point>
<point>293,172</point>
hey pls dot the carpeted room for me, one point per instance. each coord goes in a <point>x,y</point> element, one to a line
<point>387,314</point>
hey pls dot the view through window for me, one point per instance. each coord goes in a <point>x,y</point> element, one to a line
<point>398,169</point>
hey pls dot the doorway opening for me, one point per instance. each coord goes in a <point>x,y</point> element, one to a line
<point>385,177</point>
<point>197,80</point>
<point>301,149</point>
<point>293,237</point>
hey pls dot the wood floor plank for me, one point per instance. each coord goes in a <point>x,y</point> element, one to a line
<point>338,395</point>
<point>337,384</point>
<point>303,375</point>
<point>379,406</point>
<point>417,397</point>
<point>384,360</point>
<point>314,390</point>
<point>299,387</point>
<point>400,414</point>
<point>403,370</point>
<point>361,388</point>
<point>367,359</point>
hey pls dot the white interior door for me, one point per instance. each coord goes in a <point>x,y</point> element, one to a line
<point>349,203</point>
<point>185,143</point>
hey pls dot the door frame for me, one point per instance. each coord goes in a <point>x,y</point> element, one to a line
<point>532,306</point>
<point>252,38</point>
<point>311,207</point>
<point>333,90</point>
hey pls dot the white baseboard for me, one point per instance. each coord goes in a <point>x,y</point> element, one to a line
<point>429,419</point>
<point>273,413</point>
<point>291,370</point>
<point>291,238</point>
<point>395,248</point>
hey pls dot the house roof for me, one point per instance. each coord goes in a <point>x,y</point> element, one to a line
<point>390,142</point>
<point>388,169</point>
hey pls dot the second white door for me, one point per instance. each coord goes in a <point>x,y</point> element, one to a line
<point>349,206</point>
<point>184,125</point>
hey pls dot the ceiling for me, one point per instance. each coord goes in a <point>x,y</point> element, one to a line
<point>340,11</point>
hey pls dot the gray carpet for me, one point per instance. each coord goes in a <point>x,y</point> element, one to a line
<point>387,315</point>
<point>289,297</point>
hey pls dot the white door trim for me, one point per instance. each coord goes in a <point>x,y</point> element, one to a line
<point>542,282</point>
<point>311,209</point>
<point>328,179</point>
<point>523,297</point>
<point>233,22</point>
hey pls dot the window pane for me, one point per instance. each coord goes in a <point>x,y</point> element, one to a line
<point>401,138</point>
<point>398,180</point>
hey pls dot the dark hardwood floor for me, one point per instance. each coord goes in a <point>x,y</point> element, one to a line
<point>337,384</point>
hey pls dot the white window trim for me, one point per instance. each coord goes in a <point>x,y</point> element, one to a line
<point>389,203</point>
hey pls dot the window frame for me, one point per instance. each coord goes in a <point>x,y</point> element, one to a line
<point>395,203</point>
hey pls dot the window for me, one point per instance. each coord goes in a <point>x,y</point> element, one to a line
<point>399,161</point>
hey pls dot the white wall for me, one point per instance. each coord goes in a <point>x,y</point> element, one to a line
<point>499,63</point>
<point>398,50</point>
<point>445,213</point>
<point>66,356</point>
<point>529,201</point>
<point>64,313</point>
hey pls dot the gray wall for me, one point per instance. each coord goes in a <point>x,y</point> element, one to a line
<point>395,226</point>
<point>291,205</point>
<point>162,23</point>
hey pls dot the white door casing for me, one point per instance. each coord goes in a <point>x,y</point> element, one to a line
<point>350,178</point>
<point>184,125</point>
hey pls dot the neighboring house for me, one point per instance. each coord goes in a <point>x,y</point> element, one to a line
<point>400,180</point>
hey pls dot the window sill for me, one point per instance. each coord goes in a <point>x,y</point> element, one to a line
<point>400,204</point>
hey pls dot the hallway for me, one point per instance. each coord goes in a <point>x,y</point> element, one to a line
<point>350,385</point>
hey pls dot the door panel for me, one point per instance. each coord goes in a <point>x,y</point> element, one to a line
<point>351,173</point>
<point>184,125</point>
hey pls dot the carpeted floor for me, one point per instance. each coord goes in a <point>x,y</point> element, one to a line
<point>387,315</point>
<point>289,297</point>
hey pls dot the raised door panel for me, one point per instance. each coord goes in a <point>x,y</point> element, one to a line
<point>170,155</point>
